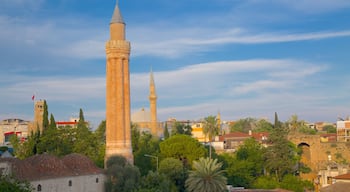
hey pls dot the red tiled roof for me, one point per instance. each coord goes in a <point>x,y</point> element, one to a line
<point>66,123</point>
<point>48,166</point>
<point>344,177</point>
<point>239,135</point>
<point>259,135</point>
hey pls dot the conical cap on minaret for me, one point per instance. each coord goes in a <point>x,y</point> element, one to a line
<point>152,86</point>
<point>117,25</point>
<point>117,16</point>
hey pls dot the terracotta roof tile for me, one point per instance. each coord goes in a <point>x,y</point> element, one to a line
<point>48,166</point>
<point>344,176</point>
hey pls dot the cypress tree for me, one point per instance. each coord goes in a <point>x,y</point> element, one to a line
<point>52,122</point>
<point>166,131</point>
<point>45,116</point>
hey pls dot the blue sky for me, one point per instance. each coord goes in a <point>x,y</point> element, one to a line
<point>244,58</point>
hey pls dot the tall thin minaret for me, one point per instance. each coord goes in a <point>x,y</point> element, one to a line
<point>118,130</point>
<point>153,105</point>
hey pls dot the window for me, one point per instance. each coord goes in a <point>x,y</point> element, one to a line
<point>97,180</point>
<point>70,183</point>
<point>329,180</point>
<point>38,188</point>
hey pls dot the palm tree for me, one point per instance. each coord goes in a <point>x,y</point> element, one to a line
<point>207,176</point>
<point>210,129</point>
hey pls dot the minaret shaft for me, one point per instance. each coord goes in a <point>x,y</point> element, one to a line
<point>153,106</point>
<point>118,129</point>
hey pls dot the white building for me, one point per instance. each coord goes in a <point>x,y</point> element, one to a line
<point>47,173</point>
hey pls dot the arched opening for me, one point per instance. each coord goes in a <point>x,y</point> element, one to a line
<point>38,188</point>
<point>305,161</point>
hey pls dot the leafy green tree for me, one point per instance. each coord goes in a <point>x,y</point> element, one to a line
<point>294,183</point>
<point>281,156</point>
<point>48,139</point>
<point>210,129</point>
<point>166,132</point>
<point>244,125</point>
<point>207,176</point>
<point>174,170</point>
<point>121,176</point>
<point>146,144</point>
<point>265,182</point>
<point>155,181</point>
<point>100,132</point>
<point>27,148</point>
<point>135,137</point>
<point>181,128</point>
<point>182,147</point>
<point>245,165</point>
<point>100,135</point>
<point>329,129</point>
<point>263,125</point>
<point>11,184</point>
<point>299,126</point>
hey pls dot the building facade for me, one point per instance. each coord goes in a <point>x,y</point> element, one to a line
<point>37,124</point>
<point>10,127</point>
<point>343,130</point>
<point>47,173</point>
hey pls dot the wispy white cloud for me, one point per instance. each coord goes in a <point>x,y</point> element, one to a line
<point>178,46</point>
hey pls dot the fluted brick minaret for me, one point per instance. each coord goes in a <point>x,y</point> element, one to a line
<point>118,130</point>
<point>153,105</point>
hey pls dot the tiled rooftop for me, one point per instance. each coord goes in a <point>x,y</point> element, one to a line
<point>48,166</point>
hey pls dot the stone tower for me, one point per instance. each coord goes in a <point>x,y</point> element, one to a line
<point>153,105</point>
<point>37,124</point>
<point>118,130</point>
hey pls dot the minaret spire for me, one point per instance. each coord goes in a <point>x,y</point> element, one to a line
<point>153,105</point>
<point>117,16</point>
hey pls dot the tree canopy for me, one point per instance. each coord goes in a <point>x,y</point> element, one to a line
<point>182,147</point>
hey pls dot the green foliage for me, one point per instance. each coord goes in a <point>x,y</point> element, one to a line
<point>210,129</point>
<point>25,149</point>
<point>121,176</point>
<point>329,129</point>
<point>156,182</point>
<point>244,125</point>
<point>135,137</point>
<point>181,128</point>
<point>307,130</point>
<point>207,176</point>
<point>245,165</point>
<point>100,132</point>
<point>174,170</point>
<point>64,140</point>
<point>48,140</point>
<point>144,143</point>
<point>45,116</point>
<point>166,132</point>
<point>3,148</point>
<point>263,125</point>
<point>296,125</point>
<point>182,147</point>
<point>11,184</point>
<point>281,156</point>
<point>265,182</point>
<point>295,184</point>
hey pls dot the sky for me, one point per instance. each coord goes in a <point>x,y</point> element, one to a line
<point>239,58</point>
